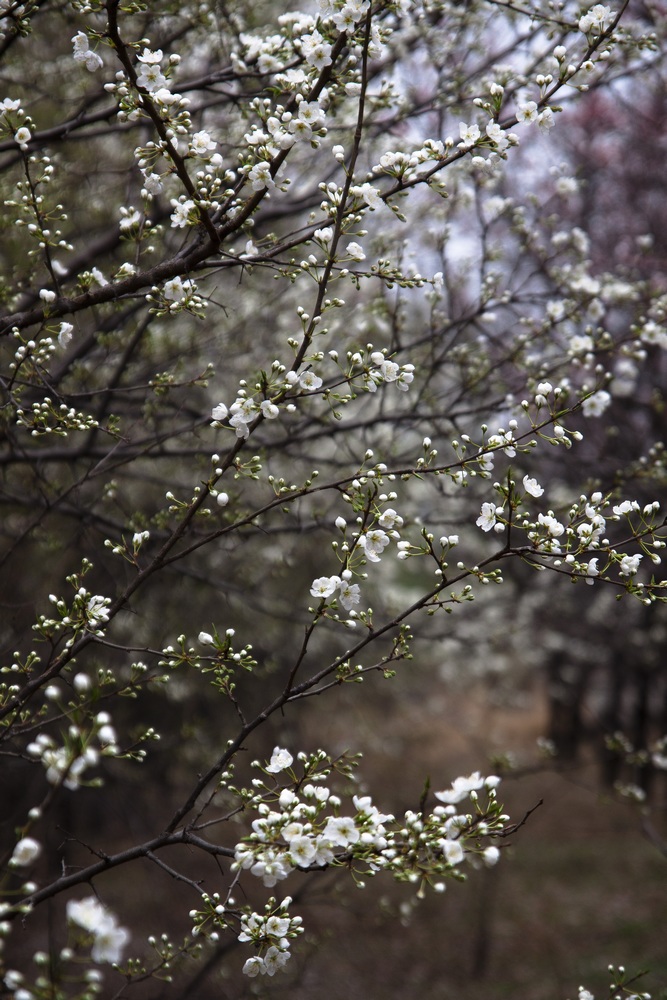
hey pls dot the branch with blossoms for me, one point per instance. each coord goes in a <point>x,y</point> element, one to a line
<point>304,353</point>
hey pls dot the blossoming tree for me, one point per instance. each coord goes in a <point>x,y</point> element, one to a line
<point>290,375</point>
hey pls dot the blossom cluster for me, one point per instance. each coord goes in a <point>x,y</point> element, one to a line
<point>329,80</point>
<point>271,935</point>
<point>304,827</point>
<point>83,53</point>
<point>108,938</point>
<point>366,545</point>
<point>81,748</point>
<point>289,385</point>
<point>570,540</point>
<point>86,613</point>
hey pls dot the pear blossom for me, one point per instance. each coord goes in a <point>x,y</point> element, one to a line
<point>280,760</point>
<point>461,789</point>
<point>595,405</point>
<point>96,919</point>
<point>98,277</point>
<point>592,570</point>
<point>589,532</point>
<point>260,177</point>
<point>405,378</point>
<point>504,440</point>
<point>324,235</point>
<point>469,134</point>
<point>390,519</point>
<point>355,251</point>
<point>532,487</point>
<point>310,381</point>
<point>201,143</point>
<point>341,830</point>
<point>370,195</point>
<point>150,56</point>
<point>387,370</point>
<point>497,135</point>
<point>277,926</point>
<point>275,959</point>
<point>96,610</point>
<point>242,412</point>
<point>316,51</point>
<point>129,219</point>
<point>488,517</point>
<point>347,18</point>
<point>150,76</point>
<point>551,525</point>
<point>630,564</point>
<point>595,19</point>
<point>253,966</point>
<point>324,586</point>
<point>109,942</point>
<point>174,290</point>
<point>269,410</point>
<point>153,183</point>
<point>87,913</point>
<point>652,333</point>
<point>453,851</point>
<point>271,867</point>
<point>546,120</point>
<point>324,853</point>
<point>82,52</point>
<point>350,595</point>
<point>526,113</point>
<point>180,215</point>
<point>302,850</point>
<point>65,334</point>
<point>373,543</point>
<point>311,113</point>
<point>26,851</point>
<point>625,507</point>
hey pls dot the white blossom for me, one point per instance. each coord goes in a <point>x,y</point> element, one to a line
<point>65,334</point>
<point>26,851</point>
<point>595,20</point>
<point>488,517</point>
<point>253,966</point>
<point>324,586</point>
<point>341,830</point>
<point>595,405</point>
<point>630,564</point>
<point>526,113</point>
<point>532,487</point>
<point>350,595</point>
<point>201,143</point>
<point>93,917</point>
<point>82,52</point>
<point>461,788</point>
<point>180,215</point>
<point>469,134</point>
<point>374,542</point>
<point>355,251</point>
<point>280,760</point>
<point>310,381</point>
